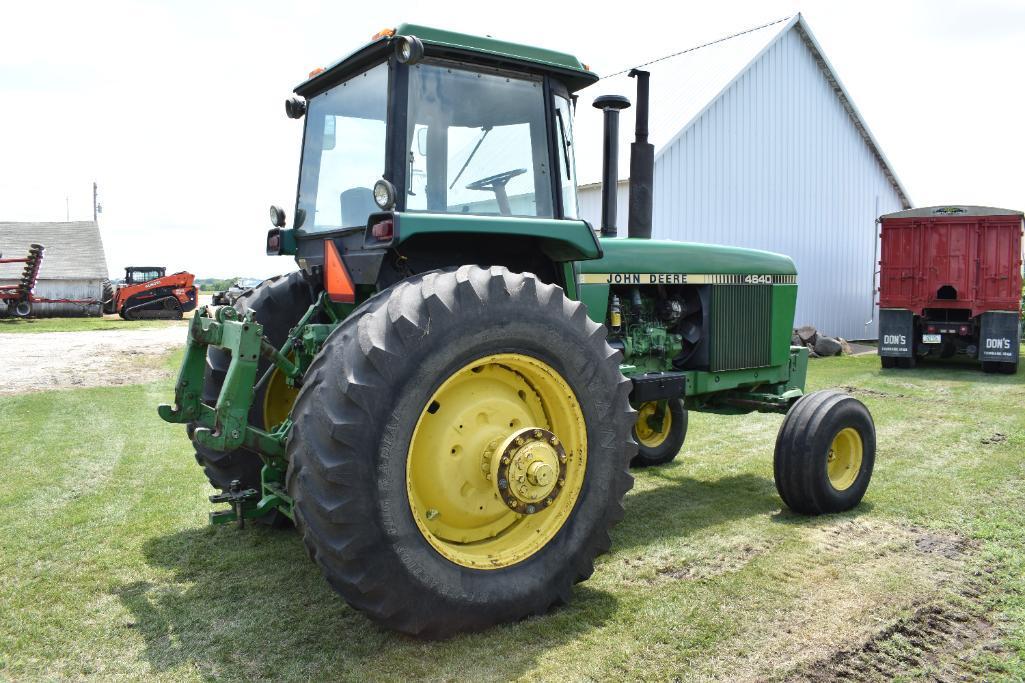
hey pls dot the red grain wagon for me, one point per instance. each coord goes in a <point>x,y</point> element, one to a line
<point>950,284</point>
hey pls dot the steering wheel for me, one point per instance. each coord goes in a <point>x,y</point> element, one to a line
<point>497,180</point>
<point>496,183</point>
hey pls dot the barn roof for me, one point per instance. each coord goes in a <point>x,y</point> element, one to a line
<point>684,86</point>
<point>74,250</point>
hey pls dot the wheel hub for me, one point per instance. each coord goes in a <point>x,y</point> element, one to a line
<point>530,469</point>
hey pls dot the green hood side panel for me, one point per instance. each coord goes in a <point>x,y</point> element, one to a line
<point>560,240</point>
<point>661,256</point>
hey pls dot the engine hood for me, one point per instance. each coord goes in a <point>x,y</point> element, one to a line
<point>662,256</point>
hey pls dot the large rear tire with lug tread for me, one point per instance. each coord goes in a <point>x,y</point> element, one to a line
<point>659,443</point>
<point>277,304</point>
<point>825,452</point>
<point>460,451</point>
<point>107,302</point>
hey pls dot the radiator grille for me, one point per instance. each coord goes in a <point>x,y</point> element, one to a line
<point>741,327</point>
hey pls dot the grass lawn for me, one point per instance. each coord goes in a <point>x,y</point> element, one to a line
<point>79,324</point>
<point>109,568</point>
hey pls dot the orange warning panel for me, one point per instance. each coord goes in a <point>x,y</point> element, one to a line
<point>336,278</point>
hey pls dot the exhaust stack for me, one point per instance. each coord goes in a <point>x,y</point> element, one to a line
<point>642,164</point>
<point>610,105</point>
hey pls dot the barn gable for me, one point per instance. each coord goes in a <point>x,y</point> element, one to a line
<point>777,158</point>
<point>74,250</point>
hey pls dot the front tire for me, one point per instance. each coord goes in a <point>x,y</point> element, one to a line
<point>825,452</point>
<point>657,443</point>
<point>415,400</point>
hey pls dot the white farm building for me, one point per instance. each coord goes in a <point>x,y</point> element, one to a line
<point>757,144</point>
<point>73,267</point>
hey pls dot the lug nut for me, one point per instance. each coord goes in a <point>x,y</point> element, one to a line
<point>503,484</point>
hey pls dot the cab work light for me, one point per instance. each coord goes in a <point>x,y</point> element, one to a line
<point>336,278</point>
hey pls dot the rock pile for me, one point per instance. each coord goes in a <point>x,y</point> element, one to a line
<point>819,344</point>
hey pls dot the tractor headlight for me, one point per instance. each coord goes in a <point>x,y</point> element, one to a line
<point>277,216</point>
<point>408,49</point>
<point>384,194</point>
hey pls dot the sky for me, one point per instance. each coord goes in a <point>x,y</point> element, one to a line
<point>176,108</point>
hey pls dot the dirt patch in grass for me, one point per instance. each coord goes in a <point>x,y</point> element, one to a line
<point>937,641</point>
<point>853,390</point>
<point>936,637</point>
<point>995,438</point>
<point>62,360</point>
<point>852,588</point>
<point>731,560</point>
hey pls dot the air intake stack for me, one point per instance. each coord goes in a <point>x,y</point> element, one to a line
<point>642,164</point>
<point>610,105</point>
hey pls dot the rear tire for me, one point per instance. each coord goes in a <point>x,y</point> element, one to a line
<point>1001,367</point>
<point>107,296</point>
<point>277,303</point>
<point>907,363</point>
<point>887,362</point>
<point>356,453</point>
<point>658,448</point>
<point>825,452</point>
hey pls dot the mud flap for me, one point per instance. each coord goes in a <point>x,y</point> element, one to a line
<point>1000,337</point>
<point>896,332</point>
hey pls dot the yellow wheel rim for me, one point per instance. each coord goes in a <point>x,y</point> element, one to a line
<point>844,461</point>
<point>278,399</point>
<point>645,434</point>
<point>496,461</point>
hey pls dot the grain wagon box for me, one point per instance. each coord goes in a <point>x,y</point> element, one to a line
<point>950,285</point>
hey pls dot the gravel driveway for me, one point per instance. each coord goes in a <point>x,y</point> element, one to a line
<point>57,360</point>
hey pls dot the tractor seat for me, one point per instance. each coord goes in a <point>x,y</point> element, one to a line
<point>357,204</point>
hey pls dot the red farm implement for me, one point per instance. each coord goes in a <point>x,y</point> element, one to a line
<point>19,298</point>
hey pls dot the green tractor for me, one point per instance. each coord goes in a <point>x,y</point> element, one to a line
<point>446,398</point>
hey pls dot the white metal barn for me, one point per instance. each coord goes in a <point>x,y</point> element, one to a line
<point>74,265</point>
<point>757,144</point>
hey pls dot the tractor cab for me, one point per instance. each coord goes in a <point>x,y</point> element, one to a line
<point>135,275</point>
<point>431,122</point>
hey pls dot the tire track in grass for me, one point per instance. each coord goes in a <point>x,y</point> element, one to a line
<point>844,584</point>
<point>934,632</point>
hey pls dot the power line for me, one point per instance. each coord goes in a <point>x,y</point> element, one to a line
<point>698,47</point>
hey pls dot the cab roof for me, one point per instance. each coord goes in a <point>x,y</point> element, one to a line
<point>441,43</point>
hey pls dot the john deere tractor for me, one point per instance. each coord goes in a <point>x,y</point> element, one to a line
<point>446,397</point>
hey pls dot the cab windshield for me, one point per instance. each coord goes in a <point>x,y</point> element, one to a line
<point>477,143</point>
<point>343,153</point>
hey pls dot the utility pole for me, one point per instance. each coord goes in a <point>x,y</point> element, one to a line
<point>97,209</point>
